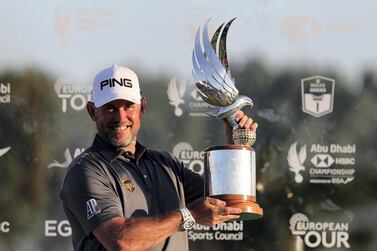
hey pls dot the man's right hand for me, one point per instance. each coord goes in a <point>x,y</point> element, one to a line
<point>210,211</point>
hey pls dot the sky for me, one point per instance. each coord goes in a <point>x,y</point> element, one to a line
<point>76,39</point>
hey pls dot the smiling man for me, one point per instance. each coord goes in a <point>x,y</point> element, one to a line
<point>120,195</point>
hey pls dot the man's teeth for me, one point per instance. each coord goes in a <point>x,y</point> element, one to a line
<point>121,127</point>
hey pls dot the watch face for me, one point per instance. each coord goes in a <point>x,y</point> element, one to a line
<point>189,224</point>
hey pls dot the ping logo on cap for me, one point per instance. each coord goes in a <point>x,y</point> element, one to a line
<point>126,82</point>
<point>110,84</point>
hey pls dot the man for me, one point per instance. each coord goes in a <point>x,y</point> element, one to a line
<point>119,195</point>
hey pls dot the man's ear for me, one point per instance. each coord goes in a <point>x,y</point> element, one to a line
<point>143,104</point>
<point>91,110</point>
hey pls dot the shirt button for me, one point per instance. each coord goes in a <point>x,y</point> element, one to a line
<point>145,176</point>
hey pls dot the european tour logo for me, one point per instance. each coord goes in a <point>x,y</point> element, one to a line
<point>317,233</point>
<point>192,159</point>
<point>72,95</point>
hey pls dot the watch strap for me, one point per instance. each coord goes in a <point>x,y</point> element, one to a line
<point>186,217</point>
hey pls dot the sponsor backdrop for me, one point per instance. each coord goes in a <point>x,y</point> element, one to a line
<point>310,69</point>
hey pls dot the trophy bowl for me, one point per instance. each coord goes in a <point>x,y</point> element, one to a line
<point>229,175</point>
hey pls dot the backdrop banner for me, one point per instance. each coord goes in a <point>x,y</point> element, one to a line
<point>310,75</point>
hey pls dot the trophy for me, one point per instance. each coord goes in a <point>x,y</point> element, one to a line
<point>229,171</point>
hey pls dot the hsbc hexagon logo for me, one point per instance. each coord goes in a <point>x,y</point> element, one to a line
<point>322,160</point>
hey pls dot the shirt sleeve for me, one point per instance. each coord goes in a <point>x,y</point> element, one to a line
<point>91,197</point>
<point>193,183</point>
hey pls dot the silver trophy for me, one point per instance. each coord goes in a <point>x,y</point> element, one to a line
<point>229,170</point>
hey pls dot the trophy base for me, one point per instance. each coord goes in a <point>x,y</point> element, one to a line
<point>250,209</point>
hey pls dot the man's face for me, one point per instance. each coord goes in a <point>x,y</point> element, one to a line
<point>118,122</point>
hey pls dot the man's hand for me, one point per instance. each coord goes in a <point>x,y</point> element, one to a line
<point>243,121</point>
<point>210,211</point>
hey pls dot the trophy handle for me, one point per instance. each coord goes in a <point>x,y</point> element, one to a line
<point>241,136</point>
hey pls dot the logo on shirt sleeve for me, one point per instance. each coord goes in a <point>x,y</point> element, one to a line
<point>91,208</point>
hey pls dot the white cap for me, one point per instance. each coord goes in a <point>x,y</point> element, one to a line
<point>116,82</point>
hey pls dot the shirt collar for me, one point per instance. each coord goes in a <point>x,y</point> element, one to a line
<point>111,153</point>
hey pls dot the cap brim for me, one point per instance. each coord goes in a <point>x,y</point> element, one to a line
<point>101,102</point>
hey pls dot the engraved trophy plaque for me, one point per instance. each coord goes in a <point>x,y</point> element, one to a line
<point>229,171</point>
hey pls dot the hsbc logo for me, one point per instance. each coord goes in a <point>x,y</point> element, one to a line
<point>125,82</point>
<point>300,26</point>
<point>322,160</point>
<point>304,27</point>
<point>329,164</point>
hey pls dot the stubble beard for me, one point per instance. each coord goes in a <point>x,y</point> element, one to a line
<point>115,141</point>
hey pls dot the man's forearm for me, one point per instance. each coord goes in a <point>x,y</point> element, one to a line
<point>137,233</point>
<point>142,233</point>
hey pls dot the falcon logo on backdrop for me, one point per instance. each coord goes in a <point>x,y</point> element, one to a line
<point>4,93</point>
<point>68,158</point>
<point>175,94</point>
<point>314,234</point>
<point>317,95</point>
<point>296,161</point>
<point>329,164</point>
<point>186,100</point>
<point>3,151</point>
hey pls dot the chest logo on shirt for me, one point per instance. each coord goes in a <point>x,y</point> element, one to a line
<point>128,185</point>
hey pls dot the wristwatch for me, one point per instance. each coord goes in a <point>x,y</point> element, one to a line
<point>188,221</point>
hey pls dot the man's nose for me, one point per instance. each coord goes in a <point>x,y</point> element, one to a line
<point>122,115</point>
